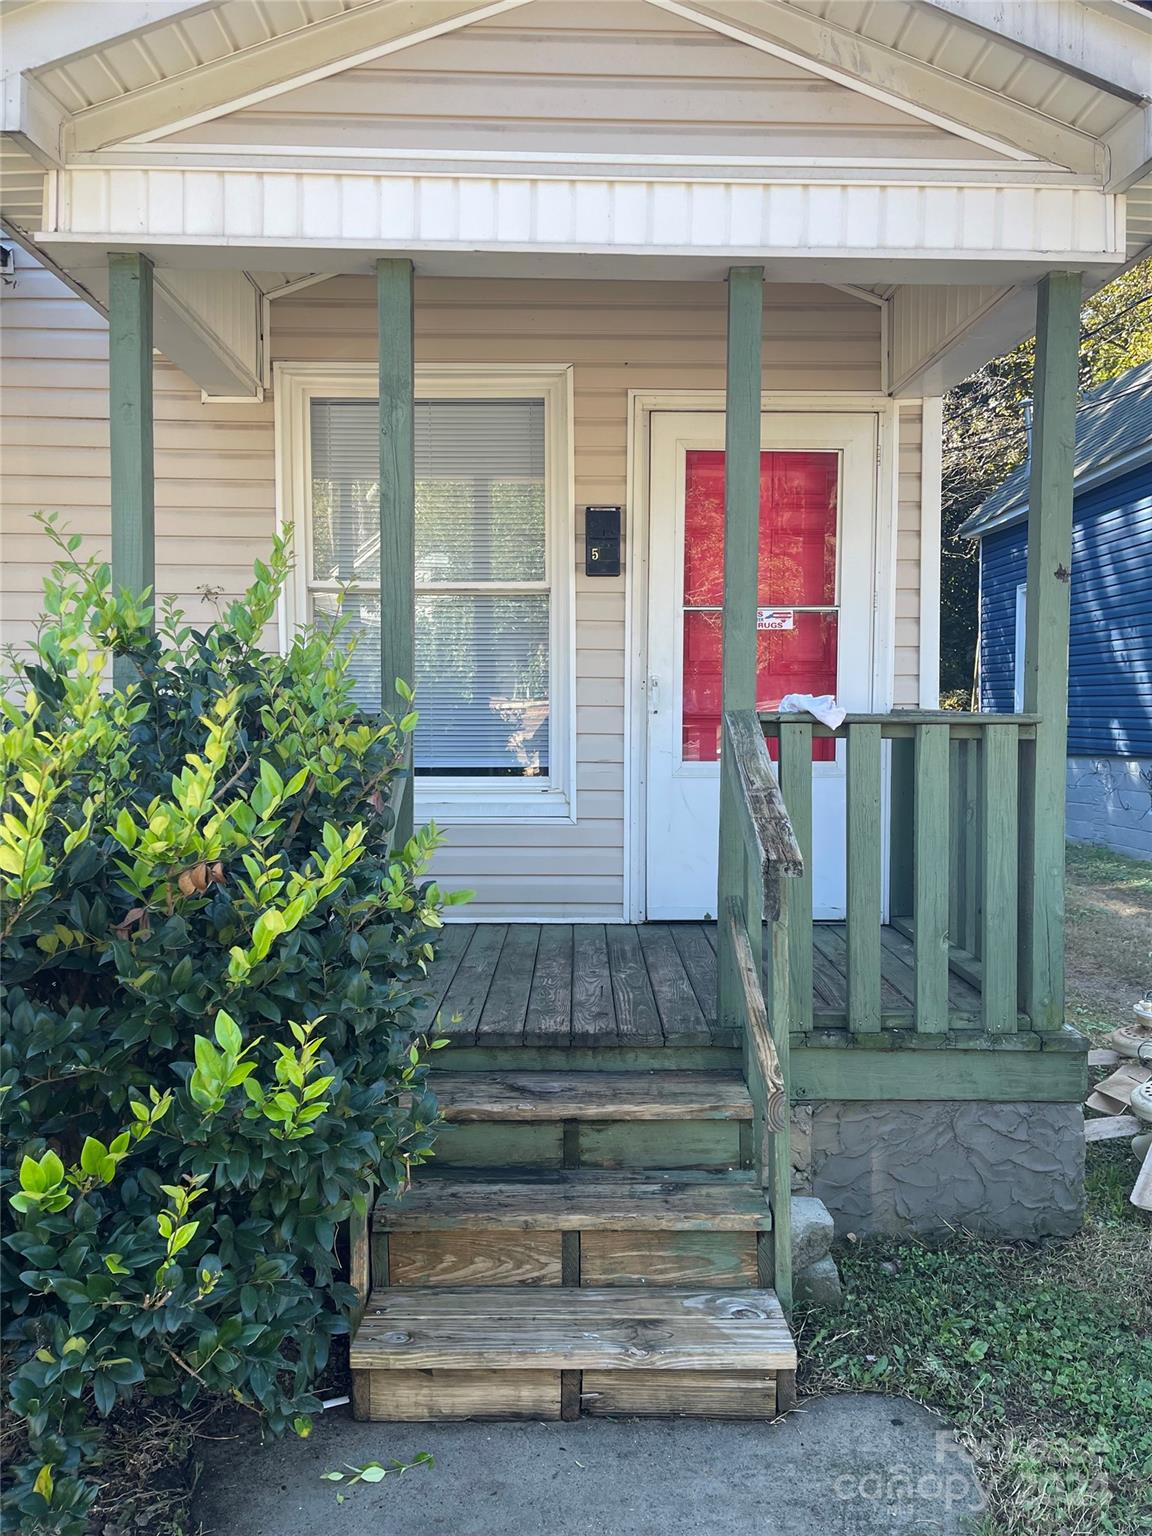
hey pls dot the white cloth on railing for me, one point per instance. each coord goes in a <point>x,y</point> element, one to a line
<point>822,706</point>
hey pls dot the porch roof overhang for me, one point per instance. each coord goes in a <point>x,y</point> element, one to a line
<point>90,171</point>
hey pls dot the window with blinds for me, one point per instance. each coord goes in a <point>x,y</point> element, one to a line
<point>483,601</point>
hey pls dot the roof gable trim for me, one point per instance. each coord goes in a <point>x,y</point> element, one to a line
<point>1090,480</point>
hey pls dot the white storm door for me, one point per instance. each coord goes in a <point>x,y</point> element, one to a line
<point>817,578</point>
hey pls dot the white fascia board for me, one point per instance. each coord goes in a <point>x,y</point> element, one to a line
<point>34,117</point>
<point>268,69</point>
<point>329,219</point>
<point>54,31</point>
<point>885,74</point>
<point>1130,150</point>
<point>312,158</point>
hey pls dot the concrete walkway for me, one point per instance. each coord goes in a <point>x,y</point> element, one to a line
<point>844,1466</point>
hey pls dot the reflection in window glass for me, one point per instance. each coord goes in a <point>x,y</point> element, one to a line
<point>482,658</point>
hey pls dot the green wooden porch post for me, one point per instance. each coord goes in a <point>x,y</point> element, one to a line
<point>741,562</point>
<point>132,470</point>
<point>1046,645</point>
<point>394,308</point>
<point>742,484</point>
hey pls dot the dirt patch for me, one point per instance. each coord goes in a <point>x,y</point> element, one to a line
<point>1109,937</point>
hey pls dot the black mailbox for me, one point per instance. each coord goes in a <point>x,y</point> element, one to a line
<point>602,541</point>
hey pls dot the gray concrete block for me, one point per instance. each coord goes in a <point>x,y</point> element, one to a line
<point>1110,802</point>
<point>812,1231</point>
<point>819,1286</point>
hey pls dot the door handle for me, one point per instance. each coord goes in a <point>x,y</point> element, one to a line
<point>653,695</point>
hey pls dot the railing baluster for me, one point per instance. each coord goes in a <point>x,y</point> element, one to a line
<point>930,877</point>
<point>864,879</point>
<point>1000,830</point>
<point>796,787</point>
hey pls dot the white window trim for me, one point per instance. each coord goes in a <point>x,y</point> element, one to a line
<point>295,385</point>
<point>1019,635</point>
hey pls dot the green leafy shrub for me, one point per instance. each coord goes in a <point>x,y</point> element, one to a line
<point>212,1042</point>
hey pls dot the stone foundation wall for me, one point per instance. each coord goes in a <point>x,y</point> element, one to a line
<point>1004,1170</point>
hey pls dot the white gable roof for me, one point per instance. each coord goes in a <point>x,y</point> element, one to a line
<point>213,58</point>
<point>984,153</point>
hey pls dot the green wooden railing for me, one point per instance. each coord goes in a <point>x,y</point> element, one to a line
<point>759,860</point>
<point>953,797</point>
<point>360,1221</point>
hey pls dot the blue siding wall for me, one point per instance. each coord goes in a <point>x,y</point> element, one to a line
<point>1003,565</point>
<point>1110,654</point>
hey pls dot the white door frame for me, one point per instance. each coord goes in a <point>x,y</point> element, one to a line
<point>641,405</point>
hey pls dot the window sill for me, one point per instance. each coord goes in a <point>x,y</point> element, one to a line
<point>473,806</point>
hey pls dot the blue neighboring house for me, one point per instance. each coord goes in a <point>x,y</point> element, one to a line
<point>1110,655</point>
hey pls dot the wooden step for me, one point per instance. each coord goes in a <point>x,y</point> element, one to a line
<point>578,1201</point>
<point>486,1352</point>
<point>618,1328</point>
<point>469,1097</point>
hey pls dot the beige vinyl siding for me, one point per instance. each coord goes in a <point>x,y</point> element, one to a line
<point>215,464</point>
<point>906,659</point>
<point>592,78</point>
<point>216,485</point>
<point>619,336</point>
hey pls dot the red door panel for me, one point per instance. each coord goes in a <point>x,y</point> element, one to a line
<point>798,520</point>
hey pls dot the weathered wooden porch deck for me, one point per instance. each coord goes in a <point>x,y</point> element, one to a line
<point>563,985</point>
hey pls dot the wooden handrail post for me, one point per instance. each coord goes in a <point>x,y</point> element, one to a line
<point>132,461</point>
<point>742,484</point>
<point>1046,646</point>
<point>397,509</point>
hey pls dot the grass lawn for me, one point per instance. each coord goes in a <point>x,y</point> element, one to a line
<point>1109,940</point>
<point>1039,1353</point>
